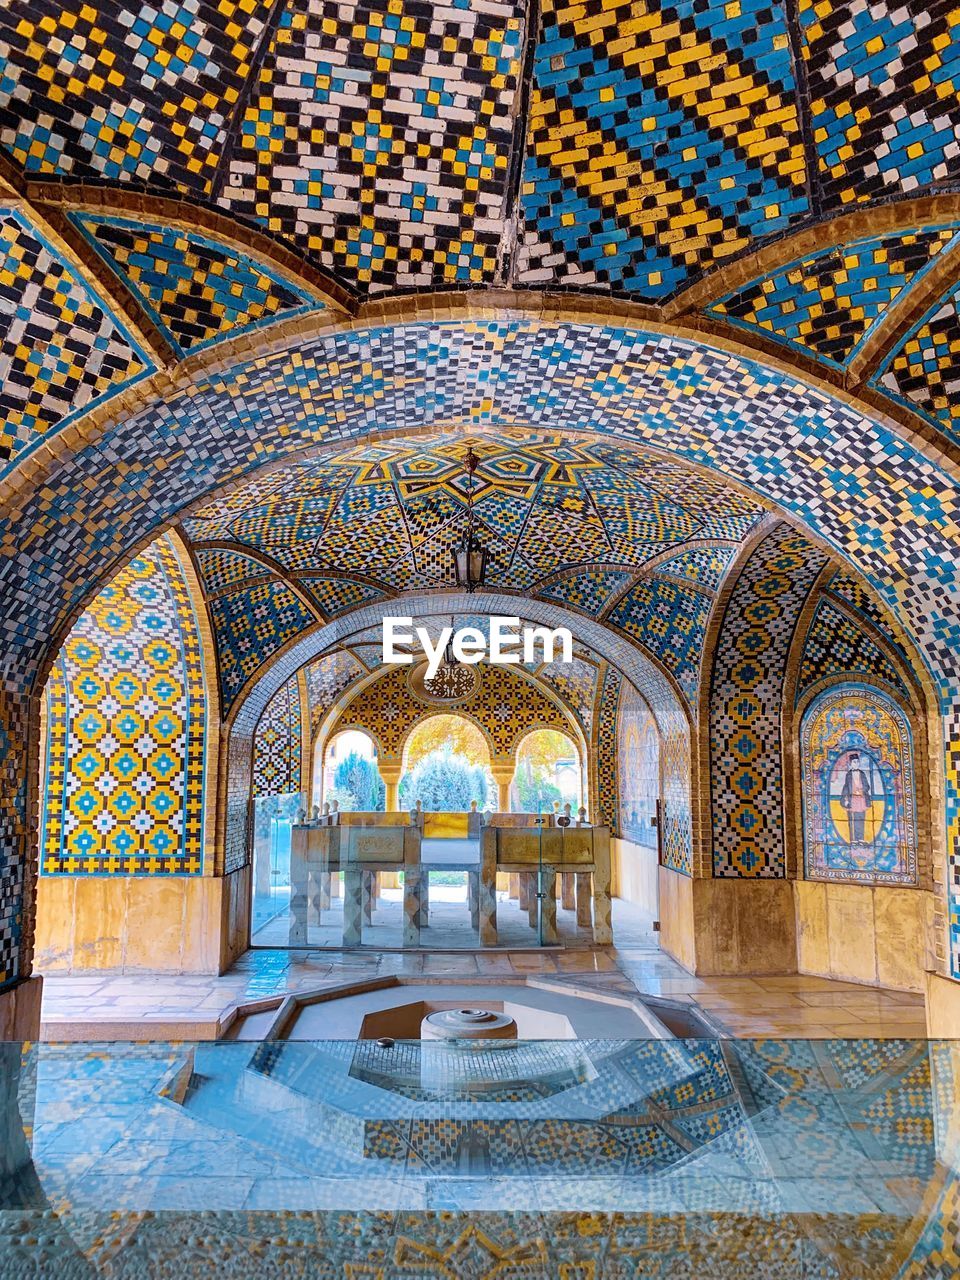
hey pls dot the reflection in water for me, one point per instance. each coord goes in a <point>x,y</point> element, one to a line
<point>596,1158</point>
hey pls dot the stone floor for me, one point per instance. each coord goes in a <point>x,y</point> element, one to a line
<point>186,1007</point>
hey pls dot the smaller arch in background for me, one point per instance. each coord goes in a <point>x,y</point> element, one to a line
<point>570,782</point>
<point>332,750</point>
<point>858,788</point>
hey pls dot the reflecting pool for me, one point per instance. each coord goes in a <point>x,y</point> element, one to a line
<point>577,1160</point>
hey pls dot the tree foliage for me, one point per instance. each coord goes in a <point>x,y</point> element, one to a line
<point>449,733</point>
<point>444,782</point>
<point>358,778</point>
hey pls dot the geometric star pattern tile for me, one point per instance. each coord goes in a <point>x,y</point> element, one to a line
<point>277,751</point>
<point>827,304</point>
<point>923,371</point>
<point>124,91</point>
<point>250,625</point>
<point>746,694</point>
<point>195,289</point>
<point>61,351</point>
<point>381,139</point>
<point>836,645</point>
<point>670,621</point>
<point>884,108</point>
<point>125,715</point>
<point>639,174</point>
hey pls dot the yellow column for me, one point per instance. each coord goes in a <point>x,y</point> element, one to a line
<point>503,770</point>
<point>390,770</point>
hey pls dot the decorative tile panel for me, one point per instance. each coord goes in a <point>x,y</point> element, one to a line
<point>641,173</point>
<point>124,92</point>
<point>380,138</point>
<point>195,289</point>
<point>503,704</point>
<point>606,804</point>
<point>14,722</point>
<point>884,110</point>
<point>859,797</point>
<point>221,569</point>
<point>702,565</point>
<point>827,304</point>
<point>250,626</point>
<point>576,683</point>
<point>638,768</point>
<point>277,749</point>
<point>670,621</point>
<point>589,590</point>
<point>125,737</point>
<point>338,595</point>
<point>746,695</point>
<point>836,645</point>
<point>327,679</point>
<point>61,350</point>
<point>923,372</point>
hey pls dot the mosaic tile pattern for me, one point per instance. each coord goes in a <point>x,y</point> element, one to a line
<point>277,744</point>
<point>676,845</point>
<point>923,372</point>
<point>61,350</point>
<point>670,621</point>
<point>504,705</point>
<point>576,683</point>
<point>14,721</point>
<point>746,694</point>
<point>856,596</point>
<point>237,833</point>
<point>871,494</point>
<point>327,679</point>
<point>638,768</point>
<point>125,740</point>
<point>221,570</point>
<point>836,645</point>
<point>607,802</point>
<point>639,174</point>
<point>589,590</point>
<point>381,138</point>
<point>194,288</point>
<point>858,789</point>
<point>702,565</point>
<point>827,304</point>
<point>339,595</point>
<point>883,104</point>
<point>118,91</point>
<point>250,626</point>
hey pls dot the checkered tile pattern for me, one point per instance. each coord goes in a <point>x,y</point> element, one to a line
<point>924,370</point>
<point>639,174</point>
<point>883,80</point>
<point>125,739</point>
<point>827,305</point>
<point>250,626</point>
<point>746,695</point>
<point>836,645</point>
<point>607,801</point>
<point>124,91</point>
<point>670,621</point>
<point>195,289</point>
<point>380,138</point>
<point>327,680</point>
<point>61,350</point>
<point>277,749</point>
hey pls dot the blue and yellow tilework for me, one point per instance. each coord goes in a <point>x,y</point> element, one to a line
<point>661,140</point>
<point>381,138</point>
<point>222,569</point>
<point>125,92</point>
<point>125,730</point>
<point>61,350</point>
<point>327,679</point>
<point>827,304</point>
<point>277,744</point>
<point>250,626</point>
<point>589,590</point>
<point>197,290</point>
<point>746,696</point>
<point>923,371</point>
<point>883,82</point>
<point>338,595</point>
<point>836,645</point>
<point>669,620</point>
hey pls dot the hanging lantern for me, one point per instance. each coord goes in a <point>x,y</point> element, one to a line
<point>470,557</point>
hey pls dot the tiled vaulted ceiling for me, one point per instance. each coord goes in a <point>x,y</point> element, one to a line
<point>622,534</point>
<point>625,144</point>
